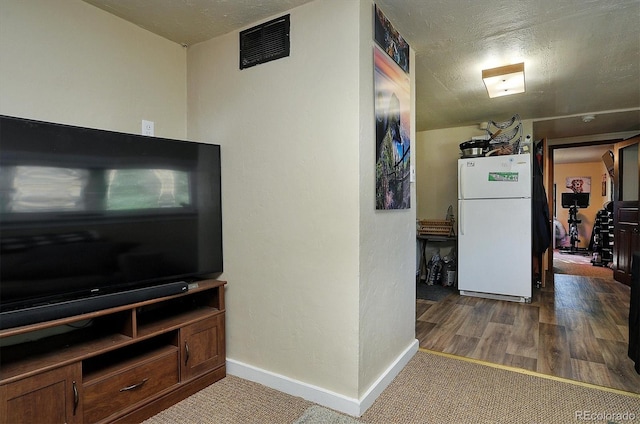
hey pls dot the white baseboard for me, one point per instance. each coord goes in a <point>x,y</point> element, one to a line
<point>351,406</point>
<point>387,377</point>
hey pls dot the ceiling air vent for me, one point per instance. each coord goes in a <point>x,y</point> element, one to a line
<point>264,43</point>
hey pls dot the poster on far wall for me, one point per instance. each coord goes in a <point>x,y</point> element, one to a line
<point>393,133</point>
<point>390,40</point>
<point>579,184</point>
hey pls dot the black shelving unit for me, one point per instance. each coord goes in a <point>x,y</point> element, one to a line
<point>603,238</point>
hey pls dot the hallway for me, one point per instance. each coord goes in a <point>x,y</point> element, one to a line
<point>577,329</point>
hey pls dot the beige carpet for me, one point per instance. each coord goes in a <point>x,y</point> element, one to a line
<point>439,388</point>
<point>432,388</point>
<point>564,263</point>
<point>233,400</point>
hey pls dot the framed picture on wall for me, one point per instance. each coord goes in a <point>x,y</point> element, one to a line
<point>393,136</point>
<point>390,40</point>
<point>579,184</point>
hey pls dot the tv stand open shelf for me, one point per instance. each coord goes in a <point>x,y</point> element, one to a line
<point>120,364</point>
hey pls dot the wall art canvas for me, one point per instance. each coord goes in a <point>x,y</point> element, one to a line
<point>579,184</point>
<point>393,133</point>
<point>390,40</point>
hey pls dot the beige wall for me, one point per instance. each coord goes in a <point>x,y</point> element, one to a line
<point>321,287</point>
<point>594,170</point>
<point>290,196</point>
<point>387,239</point>
<point>67,61</point>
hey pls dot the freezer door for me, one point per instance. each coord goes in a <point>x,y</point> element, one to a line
<point>494,177</point>
<point>494,246</point>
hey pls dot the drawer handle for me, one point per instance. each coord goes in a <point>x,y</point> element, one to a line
<point>76,398</point>
<point>134,386</point>
<point>186,351</point>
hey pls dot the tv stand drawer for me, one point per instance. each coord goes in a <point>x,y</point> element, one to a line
<point>130,385</point>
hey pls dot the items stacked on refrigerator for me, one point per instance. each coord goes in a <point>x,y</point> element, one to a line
<point>502,138</point>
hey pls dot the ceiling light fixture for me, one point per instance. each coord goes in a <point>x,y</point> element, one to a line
<point>588,118</point>
<point>504,80</point>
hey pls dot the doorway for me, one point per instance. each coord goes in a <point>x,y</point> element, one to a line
<point>561,316</point>
<point>581,209</point>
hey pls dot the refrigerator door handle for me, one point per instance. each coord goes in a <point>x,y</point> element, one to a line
<point>461,180</point>
<point>461,213</point>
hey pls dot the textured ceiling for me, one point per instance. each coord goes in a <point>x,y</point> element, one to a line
<point>189,22</point>
<point>581,56</point>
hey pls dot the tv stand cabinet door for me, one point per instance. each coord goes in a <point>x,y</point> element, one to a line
<point>50,397</point>
<point>202,347</point>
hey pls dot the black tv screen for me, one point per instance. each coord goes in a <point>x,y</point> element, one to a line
<point>86,213</point>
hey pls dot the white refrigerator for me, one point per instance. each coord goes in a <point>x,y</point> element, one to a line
<point>494,227</point>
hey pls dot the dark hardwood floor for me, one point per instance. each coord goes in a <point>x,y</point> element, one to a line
<point>576,329</point>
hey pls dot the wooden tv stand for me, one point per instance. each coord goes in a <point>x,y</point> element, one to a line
<point>127,364</point>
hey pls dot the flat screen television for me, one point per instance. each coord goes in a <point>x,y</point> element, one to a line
<point>580,200</point>
<point>91,219</point>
